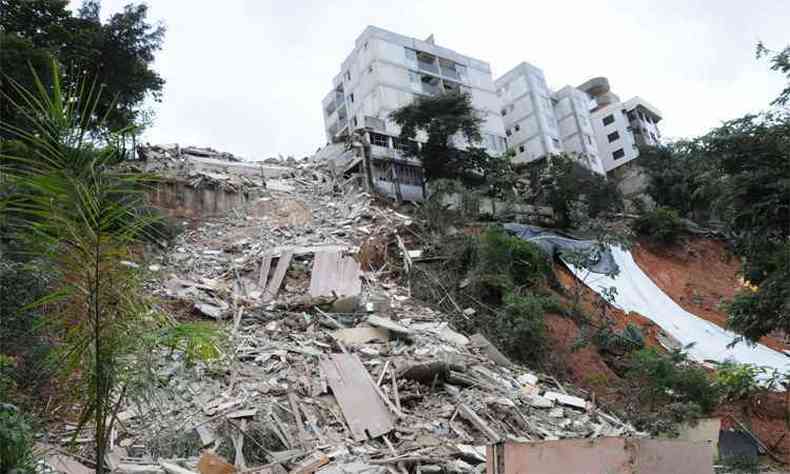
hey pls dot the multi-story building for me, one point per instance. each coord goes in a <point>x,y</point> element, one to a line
<point>386,71</point>
<point>527,110</point>
<point>572,109</point>
<point>620,127</point>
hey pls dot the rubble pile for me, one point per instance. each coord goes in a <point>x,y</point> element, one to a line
<point>204,167</point>
<point>330,366</point>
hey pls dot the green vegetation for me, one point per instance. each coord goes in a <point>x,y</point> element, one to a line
<point>661,225</point>
<point>503,279</point>
<point>739,174</point>
<point>660,379</point>
<point>74,206</point>
<point>119,54</point>
<point>16,442</point>
<point>562,183</point>
<point>443,118</point>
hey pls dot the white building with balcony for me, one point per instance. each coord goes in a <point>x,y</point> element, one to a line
<point>386,71</point>
<point>620,127</point>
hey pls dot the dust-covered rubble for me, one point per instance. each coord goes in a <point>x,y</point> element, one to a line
<point>363,382</point>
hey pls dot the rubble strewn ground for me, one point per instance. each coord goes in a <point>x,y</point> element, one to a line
<point>368,380</point>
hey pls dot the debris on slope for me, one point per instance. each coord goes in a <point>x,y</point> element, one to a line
<point>331,366</point>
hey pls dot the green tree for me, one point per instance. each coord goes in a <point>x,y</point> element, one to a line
<point>780,62</point>
<point>560,182</point>
<point>118,53</point>
<point>740,174</point>
<point>75,206</point>
<point>447,120</point>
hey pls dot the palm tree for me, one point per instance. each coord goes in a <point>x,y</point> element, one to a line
<point>72,203</point>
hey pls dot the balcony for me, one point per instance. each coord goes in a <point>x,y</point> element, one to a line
<point>452,70</point>
<point>427,62</point>
<point>430,85</point>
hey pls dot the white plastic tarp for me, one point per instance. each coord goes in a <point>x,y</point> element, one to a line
<point>637,292</point>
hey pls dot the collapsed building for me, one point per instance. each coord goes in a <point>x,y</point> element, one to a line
<point>330,365</point>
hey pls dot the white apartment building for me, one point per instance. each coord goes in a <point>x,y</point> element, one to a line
<point>386,71</point>
<point>528,112</point>
<point>572,110</point>
<point>620,127</point>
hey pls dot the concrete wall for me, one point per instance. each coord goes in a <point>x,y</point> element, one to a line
<point>599,456</point>
<point>179,199</point>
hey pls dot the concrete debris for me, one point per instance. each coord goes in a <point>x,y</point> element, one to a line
<point>332,367</point>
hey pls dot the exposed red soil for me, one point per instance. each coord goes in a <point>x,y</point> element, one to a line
<point>584,366</point>
<point>767,416</point>
<point>698,275</point>
<point>588,302</point>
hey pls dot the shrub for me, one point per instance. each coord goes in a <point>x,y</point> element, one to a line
<point>16,441</point>
<point>664,378</point>
<point>520,327</point>
<point>738,381</point>
<point>662,225</point>
<point>501,253</point>
<point>609,339</point>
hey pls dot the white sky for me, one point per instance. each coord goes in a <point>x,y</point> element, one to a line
<point>248,76</point>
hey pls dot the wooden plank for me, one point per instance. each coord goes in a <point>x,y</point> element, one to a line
<point>478,422</point>
<point>298,419</point>
<point>266,265</point>
<point>363,408</point>
<point>335,275</point>
<point>277,279</point>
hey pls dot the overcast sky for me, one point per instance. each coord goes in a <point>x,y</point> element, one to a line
<point>248,76</point>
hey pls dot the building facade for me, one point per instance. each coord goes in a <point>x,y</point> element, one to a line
<point>527,110</point>
<point>386,71</point>
<point>578,135</point>
<point>620,127</point>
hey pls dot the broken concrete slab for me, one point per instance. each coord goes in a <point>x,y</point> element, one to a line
<point>388,324</point>
<point>486,347</point>
<point>568,400</point>
<point>361,335</point>
<point>363,408</point>
<point>335,275</point>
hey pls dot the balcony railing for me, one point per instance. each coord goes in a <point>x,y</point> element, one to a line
<point>431,89</point>
<point>450,72</point>
<point>429,67</point>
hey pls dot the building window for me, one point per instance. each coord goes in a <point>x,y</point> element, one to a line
<point>351,98</point>
<point>521,148</point>
<point>653,136</point>
<point>631,116</point>
<point>517,127</point>
<point>504,112</point>
<point>556,142</point>
<point>354,121</point>
<point>589,140</point>
<point>618,153</point>
<point>609,119</point>
<point>508,132</point>
<point>379,140</point>
<point>613,136</point>
<point>348,75</point>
